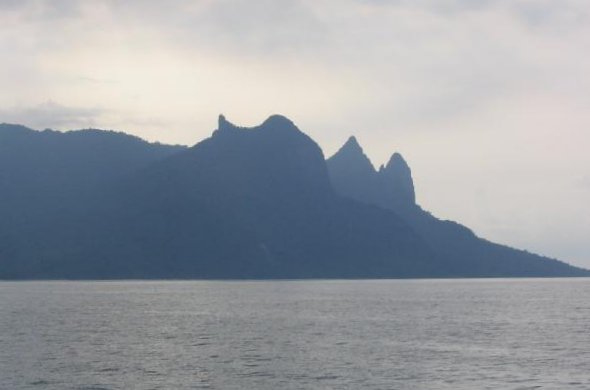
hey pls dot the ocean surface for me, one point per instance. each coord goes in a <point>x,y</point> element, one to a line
<point>383,334</point>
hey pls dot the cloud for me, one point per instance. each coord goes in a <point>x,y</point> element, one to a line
<point>53,115</point>
<point>534,13</point>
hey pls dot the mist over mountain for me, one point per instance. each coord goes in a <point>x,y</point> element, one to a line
<point>257,202</point>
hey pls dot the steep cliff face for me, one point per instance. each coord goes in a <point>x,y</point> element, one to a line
<point>397,185</point>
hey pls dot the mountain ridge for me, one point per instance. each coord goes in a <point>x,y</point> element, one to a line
<point>259,202</point>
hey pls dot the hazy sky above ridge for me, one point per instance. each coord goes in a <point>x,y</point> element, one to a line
<point>488,101</point>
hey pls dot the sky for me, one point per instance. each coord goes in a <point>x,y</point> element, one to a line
<point>487,100</point>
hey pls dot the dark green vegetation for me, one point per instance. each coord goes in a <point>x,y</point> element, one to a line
<point>245,203</point>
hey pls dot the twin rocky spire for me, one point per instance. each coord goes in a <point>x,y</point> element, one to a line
<point>353,175</point>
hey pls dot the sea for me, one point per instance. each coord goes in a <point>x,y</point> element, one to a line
<point>322,334</point>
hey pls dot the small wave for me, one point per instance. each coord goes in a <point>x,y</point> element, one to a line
<point>109,369</point>
<point>40,382</point>
<point>326,377</point>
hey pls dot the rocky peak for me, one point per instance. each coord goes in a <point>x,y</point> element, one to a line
<point>278,121</point>
<point>352,145</point>
<point>398,174</point>
<point>223,124</point>
<point>352,156</point>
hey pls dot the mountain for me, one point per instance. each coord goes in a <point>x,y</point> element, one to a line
<point>49,177</point>
<point>43,170</point>
<point>258,202</point>
<point>51,172</point>
<point>459,250</point>
<point>353,175</point>
<point>244,203</point>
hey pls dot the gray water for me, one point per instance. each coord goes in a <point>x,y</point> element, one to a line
<point>390,334</point>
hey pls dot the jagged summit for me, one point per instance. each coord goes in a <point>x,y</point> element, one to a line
<point>351,155</point>
<point>352,144</point>
<point>352,173</point>
<point>273,122</point>
<point>274,153</point>
<point>224,125</point>
<point>396,162</point>
<point>278,121</point>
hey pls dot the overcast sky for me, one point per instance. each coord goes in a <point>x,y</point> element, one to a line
<point>488,100</point>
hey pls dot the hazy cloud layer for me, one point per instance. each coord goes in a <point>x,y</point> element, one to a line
<point>488,100</point>
<point>53,115</point>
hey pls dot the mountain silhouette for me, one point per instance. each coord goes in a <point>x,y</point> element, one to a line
<point>49,177</point>
<point>457,247</point>
<point>353,175</point>
<point>258,202</point>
